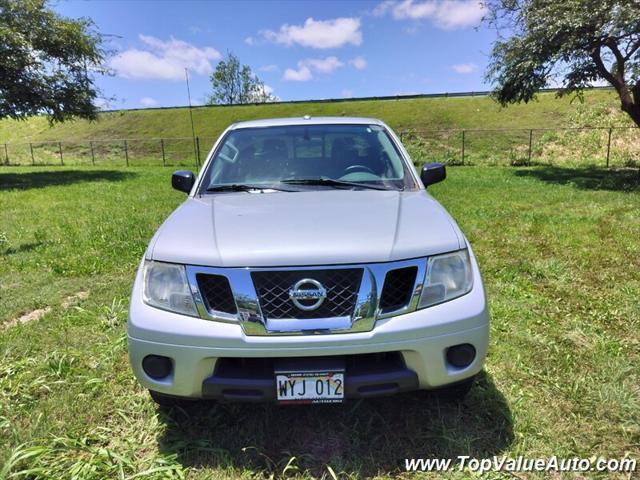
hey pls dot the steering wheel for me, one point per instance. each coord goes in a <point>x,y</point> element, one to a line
<point>358,168</point>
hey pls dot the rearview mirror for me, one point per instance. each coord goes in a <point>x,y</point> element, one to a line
<point>183,180</point>
<point>433,173</point>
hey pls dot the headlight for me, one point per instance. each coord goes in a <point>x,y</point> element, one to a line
<point>448,276</point>
<point>166,287</point>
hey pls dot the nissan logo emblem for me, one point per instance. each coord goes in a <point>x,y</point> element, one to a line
<point>307,294</point>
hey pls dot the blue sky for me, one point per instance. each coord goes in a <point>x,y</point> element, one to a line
<point>300,49</point>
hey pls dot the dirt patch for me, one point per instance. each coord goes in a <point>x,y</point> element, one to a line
<point>41,312</point>
<point>73,299</point>
<point>28,317</point>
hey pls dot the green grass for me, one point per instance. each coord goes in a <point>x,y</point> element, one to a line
<point>559,252</point>
<point>145,128</point>
<point>422,113</point>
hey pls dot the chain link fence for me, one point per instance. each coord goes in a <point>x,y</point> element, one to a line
<point>589,146</point>
<point>174,152</point>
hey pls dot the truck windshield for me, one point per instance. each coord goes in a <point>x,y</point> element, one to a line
<point>313,156</point>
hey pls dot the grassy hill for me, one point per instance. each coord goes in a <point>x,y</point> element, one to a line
<point>143,130</point>
<point>420,113</point>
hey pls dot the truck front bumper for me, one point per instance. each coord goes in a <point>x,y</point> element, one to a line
<point>199,350</point>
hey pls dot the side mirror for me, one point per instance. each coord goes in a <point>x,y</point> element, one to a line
<point>433,173</point>
<point>183,180</point>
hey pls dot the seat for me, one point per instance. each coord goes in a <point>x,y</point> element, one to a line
<point>376,159</point>
<point>272,162</point>
<point>267,164</point>
<point>240,170</point>
<point>343,155</point>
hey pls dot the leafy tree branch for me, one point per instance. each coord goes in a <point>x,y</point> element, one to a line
<point>579,42</point>
<point>47,62</point>
<point>234,83</point>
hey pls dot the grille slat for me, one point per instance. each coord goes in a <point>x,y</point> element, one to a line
<point>216,292</point>
<point>397,289</point>
<point>342,286</point>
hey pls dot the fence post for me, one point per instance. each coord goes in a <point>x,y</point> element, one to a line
<point>6,154</point>
<point>33,160</point>
<point>609,146</point>
<point>198,151</point>
<point>530,143</point>
<point>93,155</point>
<point>126,153</point>
<point>60,151</point>
<point>164,161</point>
<point>462,147</point>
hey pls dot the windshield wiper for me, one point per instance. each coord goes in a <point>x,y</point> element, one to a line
<point>330,182</point>
<point>244,187</point>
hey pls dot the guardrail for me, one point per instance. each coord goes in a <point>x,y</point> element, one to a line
<point>408,96</point>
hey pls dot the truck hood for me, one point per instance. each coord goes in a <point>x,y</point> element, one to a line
<point>305,228</point>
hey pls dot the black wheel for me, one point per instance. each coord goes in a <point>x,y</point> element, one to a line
<point>455,393</point>
<point>168,401</point>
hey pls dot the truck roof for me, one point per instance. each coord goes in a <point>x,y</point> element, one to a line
<point>306,120</point>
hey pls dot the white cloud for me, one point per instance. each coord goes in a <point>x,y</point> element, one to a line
<point>464,68</point>
<point>446,14</point>
<point>383,8</point>
<point>302,74</point>
<point>308,66</point>
<point>408,9</point>
<point>322,65</point>
<point>319,34</point>
<point>346,93</point>
<point>163,60</point>
<point>452,14</point>
<point>250,41</point>
<point>269,90</point>
<point>101,103</point>
<point>600,82</point>
<point>268,68</point>
<point>138,64</point>
<point>148,102</point>
<point>360,63</point>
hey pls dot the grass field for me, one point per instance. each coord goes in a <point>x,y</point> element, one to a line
<point>560,253</point>
<point>434,127</point>
<point>547,111</point>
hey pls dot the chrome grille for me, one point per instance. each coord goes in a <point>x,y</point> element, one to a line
<point>342,286</point>
<point>258,298</point>
<point>216,292</point>
<point>398,288</point>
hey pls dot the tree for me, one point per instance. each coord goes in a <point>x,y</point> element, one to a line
<point>236,84</point>
<point>578,42</point>
<point>47,62</point>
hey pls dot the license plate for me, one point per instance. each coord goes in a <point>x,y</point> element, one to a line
<point>323,387</point>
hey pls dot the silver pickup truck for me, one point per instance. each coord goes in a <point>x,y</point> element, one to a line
<point>308,264</point>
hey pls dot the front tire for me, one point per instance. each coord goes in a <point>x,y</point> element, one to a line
<point>455,393</point>
<point>169,401</point>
